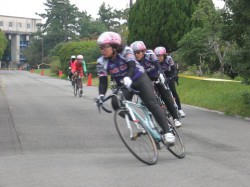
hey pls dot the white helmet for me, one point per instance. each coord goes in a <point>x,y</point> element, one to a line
<point>73,56</point>
<point>79,57</point>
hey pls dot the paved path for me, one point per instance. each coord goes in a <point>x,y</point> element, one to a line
<point>49,138</point>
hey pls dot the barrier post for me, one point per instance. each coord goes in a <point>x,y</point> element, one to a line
<point>89,80</point>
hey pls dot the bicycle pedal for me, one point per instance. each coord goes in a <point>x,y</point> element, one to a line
<point>169,145</point>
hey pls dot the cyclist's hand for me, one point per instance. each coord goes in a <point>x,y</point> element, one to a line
<point>112,83</point>
<point>127,81</point>
<point>100,99</point>
<point>162,78</point>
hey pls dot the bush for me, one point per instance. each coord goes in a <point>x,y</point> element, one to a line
<point>88,49</point>
<point>55,64</point>
<point>246,98</point>
<point>92,68</point>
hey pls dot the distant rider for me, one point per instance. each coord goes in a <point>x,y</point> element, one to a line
<point>170,71</point>
<point>78,73</point>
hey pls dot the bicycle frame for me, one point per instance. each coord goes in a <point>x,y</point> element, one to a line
<point>146,121</point>
<point>137,115</point>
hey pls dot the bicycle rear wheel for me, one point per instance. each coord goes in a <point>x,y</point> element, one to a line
<point>140,144</point>
<point>177,149</point>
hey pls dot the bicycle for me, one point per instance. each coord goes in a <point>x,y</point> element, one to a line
<point>162,103</point>
<point>75,86</point>
<point>129,121</point>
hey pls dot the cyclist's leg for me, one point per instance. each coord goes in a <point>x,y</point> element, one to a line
<point>168,100</point>
<point>146,94</point>
<point>175,94</point>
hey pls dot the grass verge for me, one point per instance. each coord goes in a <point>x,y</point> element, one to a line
<point>226,97</point>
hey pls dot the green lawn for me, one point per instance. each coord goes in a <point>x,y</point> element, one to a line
<point>221,96</point>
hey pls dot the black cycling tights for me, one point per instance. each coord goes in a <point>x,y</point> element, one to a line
<point>171,85</point>
<point>144,86</point>
<point>168,100</point>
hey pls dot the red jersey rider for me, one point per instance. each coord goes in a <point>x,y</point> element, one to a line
<point>78,71</point>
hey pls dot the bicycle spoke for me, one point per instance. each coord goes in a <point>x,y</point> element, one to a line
<point>177,149</point>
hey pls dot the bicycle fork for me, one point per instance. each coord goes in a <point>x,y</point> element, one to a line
<point>135,121</point>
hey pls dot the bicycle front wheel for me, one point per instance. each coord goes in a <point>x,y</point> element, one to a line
<point>140,144</point>
<point>177,149</point>
<point>75,89</point>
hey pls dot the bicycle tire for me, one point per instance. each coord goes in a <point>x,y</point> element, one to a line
<point>178,148</point>
<point>75,89</point>
<point>142,145</point>
<point>80,94</point>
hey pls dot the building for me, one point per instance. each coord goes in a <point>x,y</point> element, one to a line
<point>18,31</point>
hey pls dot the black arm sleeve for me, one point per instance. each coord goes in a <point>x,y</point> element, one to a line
<point>103,85</point>
<point>131,69</point>
<point>158,66</point>
<point>174,70</point>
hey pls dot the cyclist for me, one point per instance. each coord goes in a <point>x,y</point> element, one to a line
<point>78,73</point>
<point>71,67</point>
<point>170,71</point>
<point>149,61</point>
<point>119,61</point>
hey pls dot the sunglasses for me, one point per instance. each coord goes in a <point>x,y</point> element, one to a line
<point>138,52</point>
<point>104,47</point>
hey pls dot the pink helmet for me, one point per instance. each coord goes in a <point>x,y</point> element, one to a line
<point>160,51</point>
<point>109,38</point>
<point>138,46</point>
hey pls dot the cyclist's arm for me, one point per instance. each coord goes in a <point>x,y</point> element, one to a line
<point>102,73</point>
<point>103,85</point>
<point>173,67</point>
<point>84,67</point>
<point>131,68</point>
<point>158,66</point>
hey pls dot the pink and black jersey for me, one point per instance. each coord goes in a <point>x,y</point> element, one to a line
<point>118,68</point>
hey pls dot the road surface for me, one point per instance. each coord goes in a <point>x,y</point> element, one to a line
<point>50,138</point>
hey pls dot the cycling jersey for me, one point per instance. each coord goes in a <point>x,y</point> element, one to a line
<point>79,68</point>
<point>118,67</point>
<point>151,64</point>
<point>168,66</point>
<point>72,66</point>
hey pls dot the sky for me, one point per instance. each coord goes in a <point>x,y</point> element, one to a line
<point>28,8</point>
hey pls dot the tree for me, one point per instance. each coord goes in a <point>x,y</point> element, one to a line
<point>111,18</point>
<point>90,28</point>
<point>61,22</point>
<point>237,28</point>
<point>204,40</point>
<point>3,43</point>
<point>162,23</point>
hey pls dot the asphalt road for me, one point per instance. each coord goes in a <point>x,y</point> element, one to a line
<point>50,138</point>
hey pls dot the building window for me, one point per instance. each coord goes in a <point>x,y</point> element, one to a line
<point>1,23</point>
<point>20,25</point>
<point>28,25</point>
<point>10,24</point>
